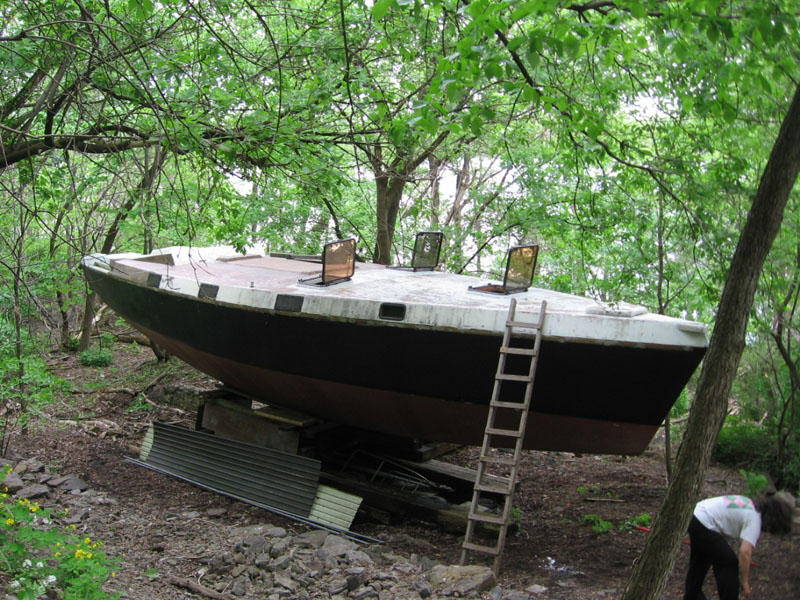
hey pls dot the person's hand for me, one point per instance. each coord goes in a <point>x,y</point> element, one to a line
<point>745,589</point>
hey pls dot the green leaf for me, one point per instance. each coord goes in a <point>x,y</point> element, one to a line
<point>476,124</point>
<point>524,10</point>
<point>637,9</point>
<point>572,45</point>
<point>380,8</point>
<point>531,94</point>
<point>142,8</point>
<point>493,70</point>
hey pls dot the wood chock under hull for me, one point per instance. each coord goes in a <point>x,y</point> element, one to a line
<point>505,426</point>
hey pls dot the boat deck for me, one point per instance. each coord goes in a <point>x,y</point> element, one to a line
<point>384,295</point>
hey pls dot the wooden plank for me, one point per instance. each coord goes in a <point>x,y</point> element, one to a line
<point>396,502</point>
<point>449,474</point>
<point>285,415</point>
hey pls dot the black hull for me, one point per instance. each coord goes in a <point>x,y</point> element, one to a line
<point>424,383</point>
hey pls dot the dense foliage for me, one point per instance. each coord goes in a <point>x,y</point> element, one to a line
<point>627,137</point>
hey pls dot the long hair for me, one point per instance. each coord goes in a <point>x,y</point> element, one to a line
<point>776,513</point>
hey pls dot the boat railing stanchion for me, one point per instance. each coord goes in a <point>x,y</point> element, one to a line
<point>505,427</point>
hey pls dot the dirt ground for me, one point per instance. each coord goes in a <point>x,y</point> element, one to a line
<point>157,525</point>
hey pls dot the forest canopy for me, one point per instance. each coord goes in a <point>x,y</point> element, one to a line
<point>627,137</point>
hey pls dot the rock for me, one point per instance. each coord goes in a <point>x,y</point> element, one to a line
<point>285,581</point>
<point>76,516</point>
<point>337,586</point>
<point>314,538</point>
<point>262,561</point>
<point>536,589</point>
<point>515,595</point>
<point>36,490</point>
<point>221,562</point>
<point>280,563</point>
<point>253,544</point>
<point>239,587</point>
<point>461,579</point>
<point>354,582</point>
<point>216,512</point>
<point>364,592</point>
<point>260,529</point>
<point>423,588</point>
<point>73,483</point>
<point>496,593</point>
<point>338,546</point>
<point>357,557</point>
<point>13,483</point>
<point>279,548</point>
<point>29,465</point>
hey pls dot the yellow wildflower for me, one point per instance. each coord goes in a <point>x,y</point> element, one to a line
<point>9,522</point>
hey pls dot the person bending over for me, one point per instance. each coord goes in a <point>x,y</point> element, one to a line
<point>736,517</point>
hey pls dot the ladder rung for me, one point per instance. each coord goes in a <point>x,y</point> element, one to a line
<point>484,518</point>
<point>498,460</point>
<point>517,350</point>
<point>480,548</point>
<point>506,404</point>
<point>494,489</point>
<point>523,324</point>
<point>510,377</point>
<point>505,432</point>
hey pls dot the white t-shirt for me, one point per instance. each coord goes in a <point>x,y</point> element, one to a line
<point>733,516</point>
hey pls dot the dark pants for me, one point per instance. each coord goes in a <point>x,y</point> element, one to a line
<point>709,548</point>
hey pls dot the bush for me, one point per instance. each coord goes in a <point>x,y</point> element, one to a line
<point>41,558</point>
<point>72,344</point>
<point>745,446</point>
<point>96,357</point>
<point>752,448</point>
<point>598,524</point>
<point>756,482</point>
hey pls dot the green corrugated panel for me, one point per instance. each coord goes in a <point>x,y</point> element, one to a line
<point>276,479</point>
<point>147,444</point>
<point>334,507</point>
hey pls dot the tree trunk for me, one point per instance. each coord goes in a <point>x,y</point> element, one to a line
<point>435,167</point>
<point>389,194</point>
<point>650,572</point>
<point>145,187</point>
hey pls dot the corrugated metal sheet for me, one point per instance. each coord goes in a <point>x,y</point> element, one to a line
<point>275,479</point>
<point>335,507</point>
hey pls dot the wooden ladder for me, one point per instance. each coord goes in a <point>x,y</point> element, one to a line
<point>515,411</point>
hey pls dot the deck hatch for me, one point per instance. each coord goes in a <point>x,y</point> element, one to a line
<point>518,276</point>
<point>338,263</point>
<point>153,280</point>
<point>427,248</point>
<point>392,312</point>
<point>208,290</point>
<point>289,303</point>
